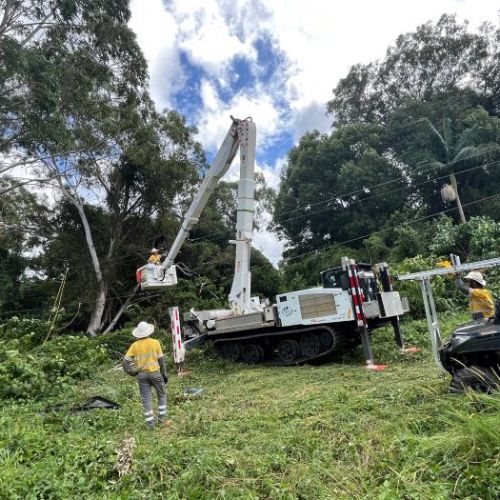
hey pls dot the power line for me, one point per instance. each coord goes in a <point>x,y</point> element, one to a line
<point>219,236</point>
<point>361,190</point>
<point>42,308</point>
<point>322,250</point>
<point>362,200</point>
<point>368,198</point>
<point>313,252</point>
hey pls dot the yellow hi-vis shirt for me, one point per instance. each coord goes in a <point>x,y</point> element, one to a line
<point>481,301</point>
<point>145,353</point>
<point>154,258</point>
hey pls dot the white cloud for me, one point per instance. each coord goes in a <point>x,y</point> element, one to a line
<point>209,96</point>
<point>308,117</point>
<point>320,39</point>
<point>156,32</point>
<point>271,173</point>
<point>214,121</point>
<point>269,245</point>
<point>205,36</point>
<point>326,38</point>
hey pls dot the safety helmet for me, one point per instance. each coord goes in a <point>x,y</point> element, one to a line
<point>154,250</point>
<point>477,277</point>
<point>143,330</point>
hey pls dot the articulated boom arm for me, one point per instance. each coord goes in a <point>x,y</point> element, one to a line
<point>219,167</point>
<point>242,135</point>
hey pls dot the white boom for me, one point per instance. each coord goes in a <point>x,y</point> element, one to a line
<point>242,135</point>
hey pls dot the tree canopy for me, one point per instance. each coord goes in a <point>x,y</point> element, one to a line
<point>77,122</point>
<point>422,117</point>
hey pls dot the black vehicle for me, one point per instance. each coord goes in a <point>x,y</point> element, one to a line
<point>472,355</point>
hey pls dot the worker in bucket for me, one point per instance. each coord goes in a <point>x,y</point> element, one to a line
<point>155,256</point>
<point>145,359</point>
<point>481,303</point>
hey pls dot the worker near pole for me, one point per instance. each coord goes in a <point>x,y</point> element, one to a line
<point>145,359</point>
<point>155,256</point>
<point>481,303</point>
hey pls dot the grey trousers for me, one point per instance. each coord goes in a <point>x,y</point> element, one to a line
<point>147,380</point>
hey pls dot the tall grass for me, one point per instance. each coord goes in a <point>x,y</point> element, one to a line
<point>323,431</point>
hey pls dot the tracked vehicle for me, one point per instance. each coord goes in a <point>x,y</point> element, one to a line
<point>306,324</point>
<point>300,325</point>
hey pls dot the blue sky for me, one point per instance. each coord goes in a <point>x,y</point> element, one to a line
<point>243,76</point>
<point>274,60</point>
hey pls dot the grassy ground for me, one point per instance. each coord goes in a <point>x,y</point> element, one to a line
<point>326,431</point>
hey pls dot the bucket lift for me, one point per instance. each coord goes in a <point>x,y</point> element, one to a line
<point>153,276</point>
<point>242,136</point>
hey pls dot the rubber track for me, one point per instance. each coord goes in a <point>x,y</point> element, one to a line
<point>298,361</point>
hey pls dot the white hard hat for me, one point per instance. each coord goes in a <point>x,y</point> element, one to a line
<point>143,330</point>
<point>154,250</point>
<point>476,276</point>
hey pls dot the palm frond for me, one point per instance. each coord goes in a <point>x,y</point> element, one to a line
<point>473,153</point>
<point>466,153</point>
<point>470,137</point>
<point>431,163</point>
<point>447,137</point>
<point>433,129</point>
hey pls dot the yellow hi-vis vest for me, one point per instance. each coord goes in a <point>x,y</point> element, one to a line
<point>145,353</point>
<point>481,301</point>
<point>154,258</point>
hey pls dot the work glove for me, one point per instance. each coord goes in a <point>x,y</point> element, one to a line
<point>165,377</point>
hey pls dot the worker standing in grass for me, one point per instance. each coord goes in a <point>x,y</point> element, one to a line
<point>481,303</point>
<point>145,359</point>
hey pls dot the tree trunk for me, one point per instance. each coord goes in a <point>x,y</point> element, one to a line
<point>453,181</point>
<point>95,323</point>
<point>122,309</point>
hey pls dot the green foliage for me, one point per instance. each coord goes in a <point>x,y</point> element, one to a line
<point>19,213</point>
<point>409,240</point>
<point>375,249</point>
<point>404,126</point>
<point>436,59</point>
<point>484,238</point>
<point>70,356</point>
<point>445,236</point>
<point>444,290</point>
<point>333,189</point>
<point>76,62</point>
<point>28,373</point>
<point>478,239</point>
<point>84,117</point>
<point>30,332</point>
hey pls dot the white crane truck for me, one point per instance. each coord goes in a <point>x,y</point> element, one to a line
<point>301,325</point>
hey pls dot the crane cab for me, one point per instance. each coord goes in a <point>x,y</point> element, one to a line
<point>154,276</point>
<point>337,277</point>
